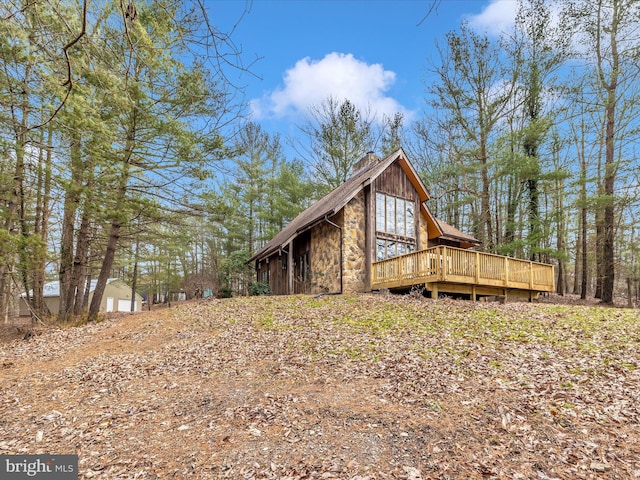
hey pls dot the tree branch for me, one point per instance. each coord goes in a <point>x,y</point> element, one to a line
<point>69,80</point>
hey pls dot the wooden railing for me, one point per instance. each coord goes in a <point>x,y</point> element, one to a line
<point>456,265</point>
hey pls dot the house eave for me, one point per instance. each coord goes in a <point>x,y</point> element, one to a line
<point>261,255</point>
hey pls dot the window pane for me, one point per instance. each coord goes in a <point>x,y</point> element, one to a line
<point>400,223</point>
<point>411,231</point>
<point>380,216</point>
<point>402,248</point>
<point>391,249</point>
<point>391,215</point>
<point>380,247</point>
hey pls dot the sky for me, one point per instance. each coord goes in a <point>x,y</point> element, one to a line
<point>376,53</point>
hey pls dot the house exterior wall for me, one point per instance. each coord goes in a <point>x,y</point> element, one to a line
<point>274,272</point>
<point>354,249</point>
<point>325,256</point>
<point>118,290</point>
<point>423,234</point>
<point>52,303</point>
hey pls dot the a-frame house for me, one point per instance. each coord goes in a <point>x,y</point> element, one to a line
<point>349,240</point>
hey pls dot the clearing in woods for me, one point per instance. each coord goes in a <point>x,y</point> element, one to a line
<point>348,387</point>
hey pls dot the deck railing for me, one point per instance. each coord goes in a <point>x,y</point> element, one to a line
<point>455,265</point>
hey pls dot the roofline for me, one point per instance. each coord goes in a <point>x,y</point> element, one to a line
<point>308,226</point>
<point>467,238</point>
<point>374,171</point>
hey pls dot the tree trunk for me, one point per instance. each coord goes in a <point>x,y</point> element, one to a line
<point>585,258</point>
<point>608,246</point>
<point>577,270</point>
<point>485,200</point>
<point>134,281</point>
<point>105,270</point>
<point>79,275</point>
<point>41,227</point>
<point>560,284</point>
<point>610,87</point>
<point>71,202</point>
<point>116,221</point>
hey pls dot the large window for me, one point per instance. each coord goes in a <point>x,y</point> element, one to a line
<point>395,226</point>
<point>395,215</point>
<point>391,248</point>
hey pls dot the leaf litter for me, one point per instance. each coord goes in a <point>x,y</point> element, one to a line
<point>347,387</point>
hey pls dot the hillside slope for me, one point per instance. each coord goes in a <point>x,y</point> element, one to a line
<point>349,387</point>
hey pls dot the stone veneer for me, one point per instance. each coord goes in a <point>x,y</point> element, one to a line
<point>424,234</point>
<point>325,257</point>
<point>354,257</point>
<point>325,251</point>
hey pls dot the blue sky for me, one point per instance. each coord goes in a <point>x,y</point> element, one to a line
<point>376,53</point>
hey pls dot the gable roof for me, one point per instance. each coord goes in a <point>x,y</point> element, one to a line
<point>334,201</point>
<point>450,232</point>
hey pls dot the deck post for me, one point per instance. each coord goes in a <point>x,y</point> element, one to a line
<point>434,291</point>
<point>477,276</point>
<point>473,293</point>
<point>530,275</point>
<point>506,272</point>
<point>443,265</point>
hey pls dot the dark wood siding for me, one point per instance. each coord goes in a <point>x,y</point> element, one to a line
<point>393,181</point>
<point>302,260</point>
<point>273,270</point>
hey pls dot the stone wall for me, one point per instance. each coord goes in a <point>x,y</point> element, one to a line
<point>325,251</point>
<point>424,234</point>
<point>325,257</point>
<point>354,258</point>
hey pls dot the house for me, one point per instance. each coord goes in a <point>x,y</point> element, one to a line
<point>375,231</point>
<point>378,213</point>
<point>116,298</point>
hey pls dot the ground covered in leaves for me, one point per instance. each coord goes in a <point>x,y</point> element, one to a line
<point>348,387</point>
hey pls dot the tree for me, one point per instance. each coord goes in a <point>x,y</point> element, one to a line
<point>472,90</point>
<point>542,51</point>
<point>393,136</point>
<point>163,96</point>
<point>135,100</point>
<point>338,135</point>
<point>610,28</point>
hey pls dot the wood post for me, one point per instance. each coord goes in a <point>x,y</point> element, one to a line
<point>290,269</point>
<point>443,264</point>
<point>506,273</point>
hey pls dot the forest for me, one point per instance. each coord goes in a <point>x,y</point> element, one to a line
<point>127,150</point>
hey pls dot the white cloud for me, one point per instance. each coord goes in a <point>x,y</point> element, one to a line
<point>499,16</point>
<point>341,76</point>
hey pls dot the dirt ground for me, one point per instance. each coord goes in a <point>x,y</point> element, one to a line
<point>354,387</point>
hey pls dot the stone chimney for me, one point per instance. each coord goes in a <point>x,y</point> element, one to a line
<point>369,159</point>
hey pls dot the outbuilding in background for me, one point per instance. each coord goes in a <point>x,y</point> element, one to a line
<point>116,298</point>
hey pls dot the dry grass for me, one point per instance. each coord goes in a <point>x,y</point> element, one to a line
<point>349,387</point>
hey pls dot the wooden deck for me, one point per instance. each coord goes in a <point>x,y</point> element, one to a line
<point>455,270</point>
